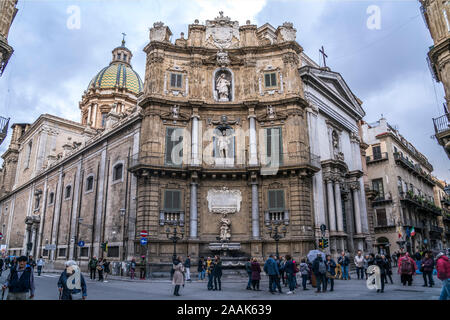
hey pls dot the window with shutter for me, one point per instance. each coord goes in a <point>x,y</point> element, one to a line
<point>276,200</point>
<point>270,79</point>
<point>274,146</point>
<point>378,187</point>
<point>381,217</point>
<point>172,200</point>
<point>176,80</point>
<point>174,147</point>
<point>376,152</point>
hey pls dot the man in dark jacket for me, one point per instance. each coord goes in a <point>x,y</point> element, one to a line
<point>217,273</point>
<point>201,268</point>
<point>289,268</point>
<point>248,269</point>
<point>344,261</point>
<point>187,268</point>
<point>20,281</point>
<point>381,263</point>
<point>271,268</point>
<point>93,267</point>
<point>331,269</point>
<point>319,269</point>
<point>428,266</point>
<point>1,266</point>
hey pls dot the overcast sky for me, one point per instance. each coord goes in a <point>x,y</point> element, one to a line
<point>384,66</point>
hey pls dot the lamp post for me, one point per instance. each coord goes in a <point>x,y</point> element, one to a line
<point>275,235</point>
<point>174,236</point>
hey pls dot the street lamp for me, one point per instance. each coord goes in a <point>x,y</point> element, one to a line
<point>273,233</point>
<point>174,236</point>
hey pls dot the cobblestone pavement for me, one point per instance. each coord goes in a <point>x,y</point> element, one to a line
<point>233,288</point>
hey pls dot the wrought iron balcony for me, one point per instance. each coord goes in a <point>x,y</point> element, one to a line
<point>436,229</point>
<point>379,201</point>
<point>3,128</point>
<point>377,158</point>
<point>413,168</point>
<point>420,203</point>
<point>442,123</point>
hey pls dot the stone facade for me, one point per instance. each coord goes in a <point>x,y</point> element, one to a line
<point>8,12</point>
<point>401,178</point>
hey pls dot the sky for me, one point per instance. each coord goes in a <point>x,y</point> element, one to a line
<point>378,46</point>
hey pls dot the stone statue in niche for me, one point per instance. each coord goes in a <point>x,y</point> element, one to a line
<point>271,112</point>
<point>175,111</point>
<point>222,58</point>
<point>223,142</point>
<point>225,228</point>
<point>338,155</point>
<point>223,86</point>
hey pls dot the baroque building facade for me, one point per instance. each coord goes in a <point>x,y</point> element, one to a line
<point>8,12</point>
<point>235,134</point>
<point>405,214</point>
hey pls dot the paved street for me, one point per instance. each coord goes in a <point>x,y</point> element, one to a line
<point>233,288</point>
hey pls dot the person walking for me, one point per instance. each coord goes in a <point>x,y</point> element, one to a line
<point>201,268</point>
<point>69,285</point>
<point>31,262</point>
<point>255,268</point>
<point>248,269</point>
<point>1,266</point>
<point>394,258</point>
<point>217,273</point>
<point>142,268</point>
<point>381,263</point>
<point>359,263</point>
<point>443,274</point>
<point>271,269</point>
<point>406,268</point>
<point>330,273</point>
<point>187,268</point>
<point>427,269</point>
<point>106,269</point>
<point>93,267</point>
<point>344,261</point>
<point>366,265</point>
<point>40,264</point>
<point>388,268</point>
<point>319,269</point>
<point>20,281</point>
<point>281,264</point>
<point>178,275</point>
<point>304,271</point>
<point>209,271</point>
<point>100,269</point>
<point>132,268</point>
<point>289,269</point>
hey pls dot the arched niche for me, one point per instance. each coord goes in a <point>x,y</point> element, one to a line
<point>228,75</point>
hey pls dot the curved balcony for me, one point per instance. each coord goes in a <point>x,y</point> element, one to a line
<point>419,203</point>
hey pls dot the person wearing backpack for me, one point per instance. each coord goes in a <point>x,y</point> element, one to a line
<point>93,267</point>
<point>443,274</point>
<point>406,268</point>
<point>304,270</point>
<point>289,268</point>
<point>320,270</point>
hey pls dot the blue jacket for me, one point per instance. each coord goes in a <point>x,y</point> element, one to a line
<point>67,293</point>
<point>22,284</point>
<point>344,262</point>
<point>331,267</point>
<point>289,267</point>
<point>271,267</point>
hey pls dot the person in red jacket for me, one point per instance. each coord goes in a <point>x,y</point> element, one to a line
<point>443,273</point>
<point>406,268</point>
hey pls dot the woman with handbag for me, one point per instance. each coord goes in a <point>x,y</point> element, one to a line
<point>331,273</point>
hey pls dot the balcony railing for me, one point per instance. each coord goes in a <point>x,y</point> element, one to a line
<point>385,224</point>
<point>4,122</point>
<point>415,168</point>
<point>442,123</point>
<point>377,158</point>
<point>420,203</point>
<point>436,229</point>
<point>380,201</point>
<point>159,160</point>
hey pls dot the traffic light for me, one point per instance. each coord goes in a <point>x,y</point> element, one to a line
<point>104,245</point>
<point>29,246</point>
<point>325,243</point>
<point>320,243</point>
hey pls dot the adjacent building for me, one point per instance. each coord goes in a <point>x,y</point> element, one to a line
<point>405,212</point>
<point>8,12</point>
<point>442,200</point>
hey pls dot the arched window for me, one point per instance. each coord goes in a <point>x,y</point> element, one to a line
<point>51,198</point>
<point>68,192</point>
<point>118,172</point>
<point>90,183</point>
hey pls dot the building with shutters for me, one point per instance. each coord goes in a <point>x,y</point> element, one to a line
<point>404,199</point>
<point>234,133</point>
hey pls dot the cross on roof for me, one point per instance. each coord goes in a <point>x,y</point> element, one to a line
<point>324,56</point>
<point>123,40</point>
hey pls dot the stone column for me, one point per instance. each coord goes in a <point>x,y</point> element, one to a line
<point>337,197</point>
<point>33,240</point>
<point>331,209</point>
<point>253,161</point>
<point>74,222</point>
<point>99,210</point>
<point>89,119</point>
<point>255,211</point>
<point>356,209</point>
<point>57,213</point>
<point>194,135</point>
<point>94,122</point>
<point>194,211</point>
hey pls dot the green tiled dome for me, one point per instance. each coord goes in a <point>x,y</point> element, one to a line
<point>117,75</point>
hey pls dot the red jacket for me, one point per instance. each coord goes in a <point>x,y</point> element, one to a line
<point>412,262</point>
<point>443,268</point>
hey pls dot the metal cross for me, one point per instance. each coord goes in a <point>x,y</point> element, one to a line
<point>123,40</point>
<point>324,55</point>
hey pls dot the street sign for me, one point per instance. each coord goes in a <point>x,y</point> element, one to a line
<point>81,243</point>
<point>1,236</point>
<point>144,241</point>
<point>323,227</point>
<point>144,233</point>
<point>50,247</point>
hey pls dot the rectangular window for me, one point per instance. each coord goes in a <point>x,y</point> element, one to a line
<point>51,198</point>
<point>30,147</point>
<point>113,252</point>
<point>270,79</point>
<point>274,146</point>
<point>176,80</point>
<point>90,183</point>
<point>45,252</point>
<point>172,200</point>
<point>276,200</point>
<point>376,152</point>
<point>381,217</point>
<point>174,147</point>
<point>378,187</point>
<point>104,119</point>
<point>400,185</point>
<point>62,252</point>
<point>84,252</point>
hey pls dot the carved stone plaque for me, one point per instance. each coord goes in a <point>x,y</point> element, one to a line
<point>224,200</point>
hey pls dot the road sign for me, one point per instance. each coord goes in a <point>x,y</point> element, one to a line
<point>81,243</point>
<point>1,236</point>
<point>50,247</point>
<point>144,241</point>
<point>144,233</point>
